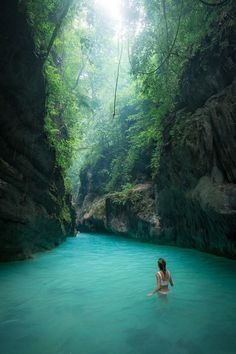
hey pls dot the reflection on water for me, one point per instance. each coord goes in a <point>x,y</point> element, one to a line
<point>88,296</point>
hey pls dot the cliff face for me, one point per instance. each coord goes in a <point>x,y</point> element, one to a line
<point>192,200</point>
<point>35,212</point>
<point>128,214</point>
<point>195,184</point>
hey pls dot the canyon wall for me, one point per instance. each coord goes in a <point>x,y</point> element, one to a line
<point>35,211</point>
<point>191,201</point>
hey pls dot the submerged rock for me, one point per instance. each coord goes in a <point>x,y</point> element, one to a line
<point>35,212</point>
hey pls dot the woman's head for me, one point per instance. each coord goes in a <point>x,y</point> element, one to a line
<point>162,264</point>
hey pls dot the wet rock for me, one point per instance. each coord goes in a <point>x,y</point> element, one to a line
<point>129,214</point>
<point>35,212</point>
<point>195,183</point>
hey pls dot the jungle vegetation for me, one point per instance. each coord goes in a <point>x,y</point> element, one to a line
<point>112,76</point>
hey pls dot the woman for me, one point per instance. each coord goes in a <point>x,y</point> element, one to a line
<point>163,278</point>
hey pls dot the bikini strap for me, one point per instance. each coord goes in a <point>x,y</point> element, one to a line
<point>167,273</point>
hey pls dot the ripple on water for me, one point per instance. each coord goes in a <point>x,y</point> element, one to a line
<point>89,296</point>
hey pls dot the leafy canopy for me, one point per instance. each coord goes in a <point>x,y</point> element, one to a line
<point>110,88</point>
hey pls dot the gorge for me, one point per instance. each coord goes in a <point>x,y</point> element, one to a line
<point>142,142</point>
<point>117,176</point>
<point>191,200</point>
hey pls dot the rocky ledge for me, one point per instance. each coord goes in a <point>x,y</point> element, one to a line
<point>129,213</point>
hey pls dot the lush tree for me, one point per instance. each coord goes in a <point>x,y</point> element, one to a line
<point>109,88</point>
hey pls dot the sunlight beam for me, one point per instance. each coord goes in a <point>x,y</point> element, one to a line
<point>112,8</point>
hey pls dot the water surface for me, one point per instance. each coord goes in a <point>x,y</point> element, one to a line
<point>88,296</point>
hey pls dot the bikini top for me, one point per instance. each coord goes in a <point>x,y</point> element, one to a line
<point>162,281</point>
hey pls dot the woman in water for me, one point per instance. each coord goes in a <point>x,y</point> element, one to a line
<point>163,278</point>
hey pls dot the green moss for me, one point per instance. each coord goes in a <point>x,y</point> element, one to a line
<point>65,214</point>
<point>98,209</point>
<point>128,194</point>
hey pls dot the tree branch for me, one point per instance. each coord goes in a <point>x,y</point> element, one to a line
<point>166,22</point>
<point>78,76</point>
<point>171,48</point>
<point>213,4</point>
<point>117,79</point>
<point>57,28</point>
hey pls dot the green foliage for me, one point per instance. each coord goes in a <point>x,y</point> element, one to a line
<point>42,16</point>
<point>65,214</point>
<point>171,32</point>
<point>126,188</point>
<point>63,116</point>
<point>158,38</point>
<point>127,195</point>
<point>67,98</point>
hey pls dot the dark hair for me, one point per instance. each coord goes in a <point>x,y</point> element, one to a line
<point>162,264</point>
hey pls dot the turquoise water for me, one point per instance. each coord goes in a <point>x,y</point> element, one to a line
<point>88,296</point>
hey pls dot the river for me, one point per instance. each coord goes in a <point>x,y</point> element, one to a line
<point>88,296</point>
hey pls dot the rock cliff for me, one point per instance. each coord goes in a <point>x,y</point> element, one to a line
<point>35,212</point>
<point>195,183</point>
<point>191,201</point>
